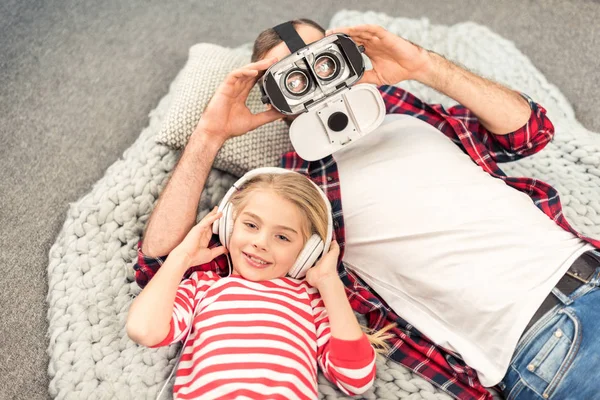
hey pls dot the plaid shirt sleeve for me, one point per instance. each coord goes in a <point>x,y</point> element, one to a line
<point>146,267</point>
<point>525,141</point>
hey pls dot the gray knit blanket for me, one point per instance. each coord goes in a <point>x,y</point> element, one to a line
<point>90,265</point>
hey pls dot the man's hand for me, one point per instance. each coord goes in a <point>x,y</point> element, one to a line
<point>499,109</point>
<point>394,59</point>
<point>227,115</point>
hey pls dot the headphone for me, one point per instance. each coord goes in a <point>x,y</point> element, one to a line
<point>314,247</point>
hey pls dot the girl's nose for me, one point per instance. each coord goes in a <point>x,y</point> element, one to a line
<point>260,241</point>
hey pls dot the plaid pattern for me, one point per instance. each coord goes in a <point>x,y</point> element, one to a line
<point>146,267</point>
<point>409,347</point>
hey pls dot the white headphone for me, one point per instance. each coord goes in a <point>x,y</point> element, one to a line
<point>314,246</point>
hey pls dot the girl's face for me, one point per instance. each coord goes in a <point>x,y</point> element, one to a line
<point>267,237</point>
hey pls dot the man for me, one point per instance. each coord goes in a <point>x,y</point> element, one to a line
<point>431,224</point>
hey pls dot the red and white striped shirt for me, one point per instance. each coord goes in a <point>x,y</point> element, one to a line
<point>260,340</point>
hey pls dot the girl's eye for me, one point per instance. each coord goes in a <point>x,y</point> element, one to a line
<point>250,225</point>
<point>283,238</point>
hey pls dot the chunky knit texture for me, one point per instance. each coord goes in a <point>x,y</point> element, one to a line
<point>90,265</point>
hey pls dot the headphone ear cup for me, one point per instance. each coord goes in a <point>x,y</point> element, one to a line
<point>307,257</point>
<point>226,225</point>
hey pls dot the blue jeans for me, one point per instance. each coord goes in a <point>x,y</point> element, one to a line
<point>559,356</point>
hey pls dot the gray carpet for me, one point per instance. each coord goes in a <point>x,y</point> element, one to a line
<point>77,80</point>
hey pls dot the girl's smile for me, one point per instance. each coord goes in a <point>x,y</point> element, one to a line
<point>255,261</point>
<point>269,232</point>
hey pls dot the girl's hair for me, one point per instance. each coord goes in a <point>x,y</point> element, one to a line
<point>268,38</point>
<point>299,190</point>
<point>295,188</point>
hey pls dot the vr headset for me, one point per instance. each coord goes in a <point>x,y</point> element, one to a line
<point>318,81</point>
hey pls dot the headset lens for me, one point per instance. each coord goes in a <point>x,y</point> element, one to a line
<point>325,67</point>
<point>296,82</point>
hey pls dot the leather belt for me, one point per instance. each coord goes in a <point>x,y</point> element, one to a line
<point>579,274</point>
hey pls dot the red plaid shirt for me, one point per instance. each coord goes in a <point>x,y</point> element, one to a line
<point>409,347</point>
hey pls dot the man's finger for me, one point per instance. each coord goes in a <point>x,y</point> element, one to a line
<point>265,117</point>
<point>248,75</point>
<point>261,65</point>
<point>357,33</point>
<point>369,77</point>
<point>343,29</point>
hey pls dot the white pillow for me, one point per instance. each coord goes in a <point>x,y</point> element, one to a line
<point>207,66</point>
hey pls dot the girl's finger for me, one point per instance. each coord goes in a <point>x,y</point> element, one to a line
<point>334,248</point>
<point>210,218</point>
<point>217,251</point>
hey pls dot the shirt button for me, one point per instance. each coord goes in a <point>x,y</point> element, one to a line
<point>545,395</point>
<point>558,333</point>
<point>531,367</point>
<point>329,179</point>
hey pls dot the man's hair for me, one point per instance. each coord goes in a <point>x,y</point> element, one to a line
<point>269,38</point>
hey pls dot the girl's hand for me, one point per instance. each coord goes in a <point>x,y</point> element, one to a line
<point>194,245</point>
<point>394,59</point>
<point>325,270</point>
<point>227,115</point>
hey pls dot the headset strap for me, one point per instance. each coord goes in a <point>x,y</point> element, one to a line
<point>288,34</point>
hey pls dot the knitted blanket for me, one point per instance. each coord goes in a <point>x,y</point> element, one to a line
<point>90,265</point>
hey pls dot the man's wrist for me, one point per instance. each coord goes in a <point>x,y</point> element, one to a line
<point>203,139</point>
<point>433,71</point>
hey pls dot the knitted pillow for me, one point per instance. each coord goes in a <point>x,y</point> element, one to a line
<point>207,67</point>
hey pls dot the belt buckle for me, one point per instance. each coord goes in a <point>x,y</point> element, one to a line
<point>577,277</point>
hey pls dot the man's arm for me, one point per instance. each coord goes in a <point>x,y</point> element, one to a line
<point>499,109</point>
<point>175,212</point>
<point>225,116</point>
<point>394,59</point>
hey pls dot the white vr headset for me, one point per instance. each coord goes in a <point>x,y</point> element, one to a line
<point>316,80</point>
<point>314,247</point>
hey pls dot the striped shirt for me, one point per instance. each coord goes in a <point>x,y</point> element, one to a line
<point>260,340</point>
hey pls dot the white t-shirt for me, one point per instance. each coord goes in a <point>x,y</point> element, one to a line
<point>459,254</point>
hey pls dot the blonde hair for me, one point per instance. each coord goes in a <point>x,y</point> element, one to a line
<point>300,191</point>
<point>295,188</point>
<point>268,38</point>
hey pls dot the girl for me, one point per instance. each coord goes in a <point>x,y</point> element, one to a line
<point>257,333</point>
